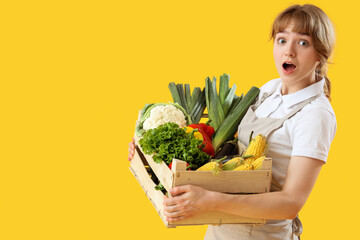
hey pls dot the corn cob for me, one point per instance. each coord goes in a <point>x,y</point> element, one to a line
<point>257,164</point>
<point>214,167</point>
<point>256,148</point>
<point>233,163</point>
<point>244,167</point>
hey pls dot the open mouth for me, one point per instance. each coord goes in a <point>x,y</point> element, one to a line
<point>288,67</point>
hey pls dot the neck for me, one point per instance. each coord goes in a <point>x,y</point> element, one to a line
<point>291,86</point>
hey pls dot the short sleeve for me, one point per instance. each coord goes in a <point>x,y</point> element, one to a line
<point>312,133</point>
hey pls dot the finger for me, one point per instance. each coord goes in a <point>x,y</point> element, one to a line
<point>179,190</point>
<point>131,154</point>
<point>175,209</point>
<point>169,201</point>
<point>179,218</point>
<point>132,144</point>
<point>171,204</point>
<point>131,148</point>
<point>165,198</point>
<point>175,200</point>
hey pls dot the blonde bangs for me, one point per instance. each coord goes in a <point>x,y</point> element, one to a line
<point>303,22</point>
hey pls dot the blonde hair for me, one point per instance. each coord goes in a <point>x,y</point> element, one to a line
<point>311,20</point>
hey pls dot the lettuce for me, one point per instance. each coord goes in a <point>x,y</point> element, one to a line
<point>169,141</point>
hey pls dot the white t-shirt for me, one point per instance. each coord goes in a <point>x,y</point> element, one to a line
<point>308,133</point>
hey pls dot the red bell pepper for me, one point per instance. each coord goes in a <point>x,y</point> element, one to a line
<point>209,149</point>
<point>207,128</point>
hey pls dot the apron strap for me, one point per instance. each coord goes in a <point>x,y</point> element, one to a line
<point>279,123</point>
<point>264,96</point>
<point>297,226</point>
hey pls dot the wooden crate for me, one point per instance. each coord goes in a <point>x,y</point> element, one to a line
<point>239,182</point>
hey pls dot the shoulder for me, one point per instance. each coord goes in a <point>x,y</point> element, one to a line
<point>320,109</point>
<point>313,129</point>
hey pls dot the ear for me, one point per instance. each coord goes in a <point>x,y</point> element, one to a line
<point>318,63</point>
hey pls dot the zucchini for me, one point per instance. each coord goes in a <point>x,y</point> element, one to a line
<point>230,125</point>
<point>235,102</point>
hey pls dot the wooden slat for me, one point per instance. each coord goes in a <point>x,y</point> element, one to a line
<point>161,170</point>
<point>267,164</point>
<point>178,165</point>
<point>155,196</point>
<point>256,181</point>
<point>217,218</point>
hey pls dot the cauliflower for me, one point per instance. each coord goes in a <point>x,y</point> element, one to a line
<point>163,114</point>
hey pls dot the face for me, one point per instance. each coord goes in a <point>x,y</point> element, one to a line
<point>295,57</point>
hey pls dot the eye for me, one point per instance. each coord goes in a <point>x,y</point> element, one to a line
<point>281,40</point>
<point>303,43</point>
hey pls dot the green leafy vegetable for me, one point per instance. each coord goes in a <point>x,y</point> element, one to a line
<point>159,187</point>
<point>169,141</point>
<point>194,104</point>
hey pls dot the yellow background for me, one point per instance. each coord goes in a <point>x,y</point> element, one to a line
<point>74,75</point>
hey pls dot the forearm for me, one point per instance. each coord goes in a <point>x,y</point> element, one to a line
<point>190,200</point>
<point>273,205</point>
<point>301,176</point>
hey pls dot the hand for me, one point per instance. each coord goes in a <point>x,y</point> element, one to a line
<point>131,149</point>
<point>187,201</point>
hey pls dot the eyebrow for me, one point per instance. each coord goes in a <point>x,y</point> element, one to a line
<point>300,33</point>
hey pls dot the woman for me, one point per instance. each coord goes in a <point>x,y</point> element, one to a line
<point>295,115</point>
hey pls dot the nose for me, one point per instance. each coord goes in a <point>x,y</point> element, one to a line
<point>290,50</point>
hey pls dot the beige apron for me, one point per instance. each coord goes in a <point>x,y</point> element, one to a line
<point>273,229</point>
